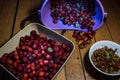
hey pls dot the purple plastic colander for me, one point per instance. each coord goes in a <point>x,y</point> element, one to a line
<point>46,19</point>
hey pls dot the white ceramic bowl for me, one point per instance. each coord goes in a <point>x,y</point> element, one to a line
<point>101,44</point>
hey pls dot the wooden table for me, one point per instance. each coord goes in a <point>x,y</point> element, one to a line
<point>78,67</point>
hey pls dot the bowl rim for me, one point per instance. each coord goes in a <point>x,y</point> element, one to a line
<point>91,52</point>
<point>95,27</point>
<point>26,31</point>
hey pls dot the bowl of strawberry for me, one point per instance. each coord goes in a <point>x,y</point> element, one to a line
<point>82,16</point>
<point>72,14</point>
<point>33,54</point>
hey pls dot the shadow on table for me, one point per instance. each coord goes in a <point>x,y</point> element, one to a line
<point>94,73</point>
<point>4,75</point>
<point>32,17</point>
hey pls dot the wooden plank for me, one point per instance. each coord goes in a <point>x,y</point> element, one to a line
<point>61,75</point>
<point>88,69</point>
<point>74,69</point>
<point>24,10</point>
<point>90,72</point>
<point>7,12</point>
<point>102,34</point>
<point>106,32</point>
<point>113,20</point>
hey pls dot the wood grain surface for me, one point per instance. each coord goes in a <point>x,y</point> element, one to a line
<point>78,67</point>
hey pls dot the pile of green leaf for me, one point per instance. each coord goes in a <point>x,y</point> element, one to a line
<point>106,60</point>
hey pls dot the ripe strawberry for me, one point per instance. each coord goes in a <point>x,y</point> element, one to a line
<point>41,73</point>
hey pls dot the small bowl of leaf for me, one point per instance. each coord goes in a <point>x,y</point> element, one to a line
<point>105,57</point>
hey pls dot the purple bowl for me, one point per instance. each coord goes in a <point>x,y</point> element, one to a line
<point>46,19</point>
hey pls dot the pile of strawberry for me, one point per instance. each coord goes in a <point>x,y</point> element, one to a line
<point>36,57</point>
<point>78,13</point>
